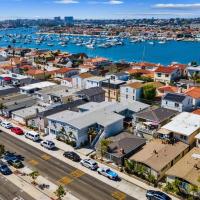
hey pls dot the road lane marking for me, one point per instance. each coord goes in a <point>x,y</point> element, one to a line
<point>77,173</point>
<point>46,157</point>
<point>119,195</point>
<point>33,162</point>
<point>65,180</point>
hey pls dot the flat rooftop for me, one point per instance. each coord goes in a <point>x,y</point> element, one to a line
<point>28,112</point>
<point>185,123</point>
<point>15,76</point>
<point>97,78</point>
<point>37,85</point>
<point>81,120</point>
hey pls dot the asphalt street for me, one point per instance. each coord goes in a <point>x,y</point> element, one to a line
<point>81,185</point>
<point>8,191</point>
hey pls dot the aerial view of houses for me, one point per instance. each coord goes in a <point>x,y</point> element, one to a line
<point>147,128</point>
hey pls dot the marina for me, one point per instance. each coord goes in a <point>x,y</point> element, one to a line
<point>114,48</point>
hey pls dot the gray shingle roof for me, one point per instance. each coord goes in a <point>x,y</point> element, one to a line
<point>158,115</point>
<point>174,97</point>
<point>126,141</point>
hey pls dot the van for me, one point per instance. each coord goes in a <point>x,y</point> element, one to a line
<point>32,136</point>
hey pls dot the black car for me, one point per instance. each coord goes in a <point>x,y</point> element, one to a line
<point>72,156</point>
<point>16,163</point>
<point>156,195</point>
<point>4,169</point>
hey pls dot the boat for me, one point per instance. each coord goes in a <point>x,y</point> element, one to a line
<point>90,46</point>
<point>50,44</point>
<point>151,43</point>
<point>162,42</point>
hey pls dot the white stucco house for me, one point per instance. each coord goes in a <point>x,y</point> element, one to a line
<point>177,101</point>
<point>131,92</point>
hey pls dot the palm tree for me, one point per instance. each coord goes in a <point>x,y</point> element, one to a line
<point>60,192</point>
<point>34,176</point>
<point>176,185</point>
<point>104,146</point>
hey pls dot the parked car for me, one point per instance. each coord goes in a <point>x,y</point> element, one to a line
<point>32,135</point>
<point>48,144</point>
<point>89,163</point>
<point>9,156</point>
<point>6,124</point>
<point>108,173</point>
<point>4,169</point>
<point>17,130</point>
<point>156,195</point>
<point>15,163</point>
<point>72,156</point>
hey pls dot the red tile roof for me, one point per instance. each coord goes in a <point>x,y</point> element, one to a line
<point>166,70</point>
<point>168,88</point>
<point>197,112</point>
<point>194,92</point>
<point>64,70</point>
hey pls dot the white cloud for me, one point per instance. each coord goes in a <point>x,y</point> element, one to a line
<point>114,2</point>
<point>111,2</point>
<point>177,6</point>
<point>66,1</point>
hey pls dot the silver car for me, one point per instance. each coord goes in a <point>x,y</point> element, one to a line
<point>89,163</point>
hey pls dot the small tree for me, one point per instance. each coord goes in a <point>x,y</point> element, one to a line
<point>129,165</point>
<point>34,175</point>
<point>168,187</point>
<point>2,149</point>
<point>2,106</point>
<point>104,146</point>
<point>149,92</point>
<point>60,192</point>
<point>176,185</point>
<point>193,189</point>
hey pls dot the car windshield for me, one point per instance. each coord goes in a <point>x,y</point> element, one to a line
<point>107,170</point>
<point>16,161</point>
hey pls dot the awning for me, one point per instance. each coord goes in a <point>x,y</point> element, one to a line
<point>163,131</point>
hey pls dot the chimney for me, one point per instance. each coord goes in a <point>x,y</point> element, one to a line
<point>122,151</point>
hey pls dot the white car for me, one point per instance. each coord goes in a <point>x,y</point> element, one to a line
<point>6,124</point>
<point>107,172</point>
<point>48,144</point>
<point>89,163</point>
<point>32,135</point>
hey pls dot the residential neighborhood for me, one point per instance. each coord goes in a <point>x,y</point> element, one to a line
<point>145,128</point>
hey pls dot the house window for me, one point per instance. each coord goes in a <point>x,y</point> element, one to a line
<point>183,137</point>
<point>176,105</point>
<point>166,75</point>
<point>166,102</point>
<point>126,89</point>
<point>158,74</point>
<point>126,96</point>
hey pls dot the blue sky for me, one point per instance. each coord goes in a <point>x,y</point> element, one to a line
<point>100,9</point>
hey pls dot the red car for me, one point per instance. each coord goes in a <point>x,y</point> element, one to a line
<point>17,131</point>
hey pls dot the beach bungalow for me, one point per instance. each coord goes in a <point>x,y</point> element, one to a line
<point>187,171</point>
<point>157,157</point>
<point>183,127</point>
